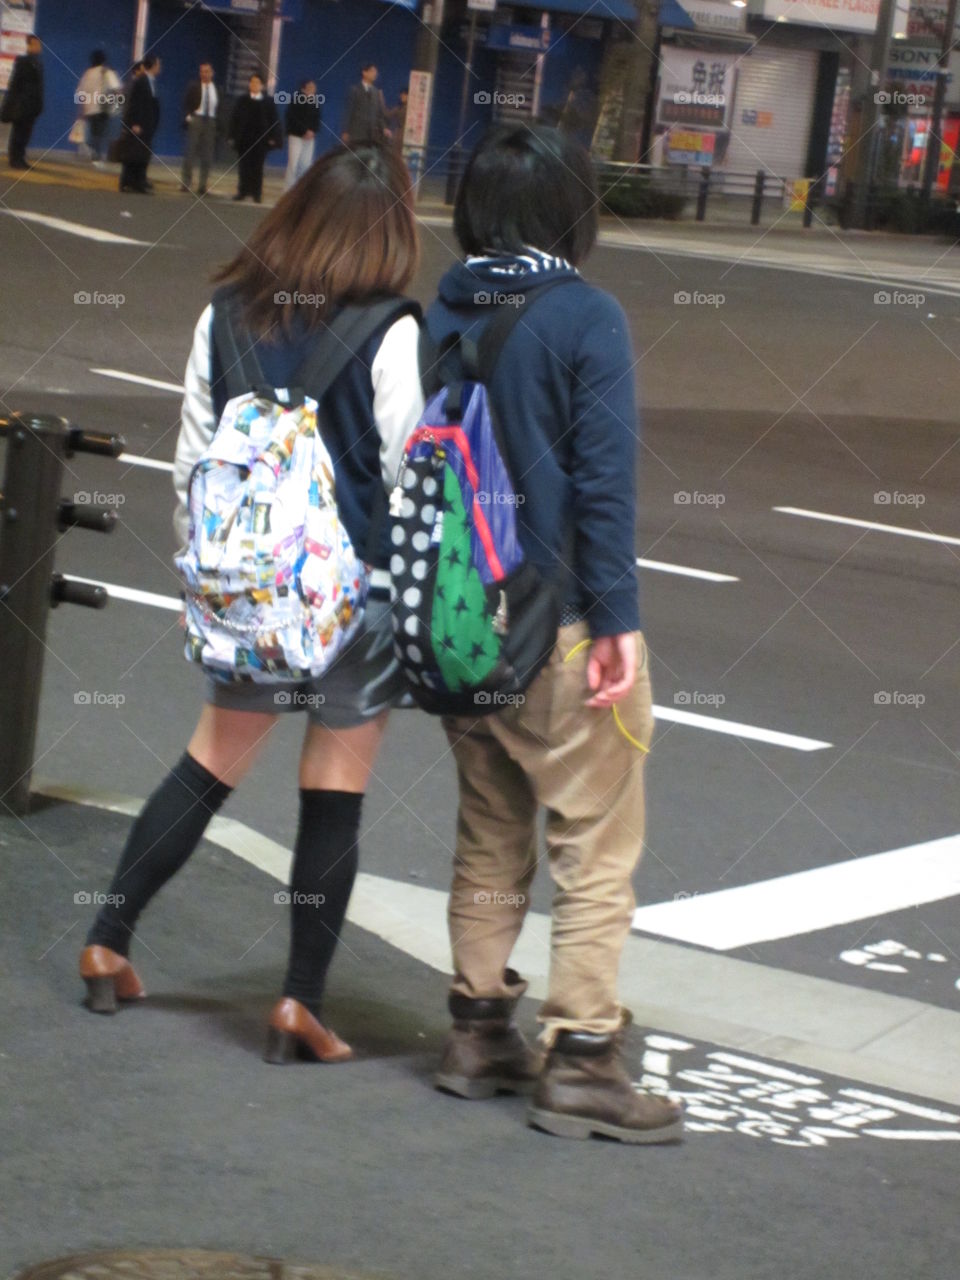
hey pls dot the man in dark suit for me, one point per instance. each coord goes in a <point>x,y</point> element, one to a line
<point>140,118</point>
<point>201,103</point>
<point>254,130</point>
<point>23,102</point>
<point>366,119</point>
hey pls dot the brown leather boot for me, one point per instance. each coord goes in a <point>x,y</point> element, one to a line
<point>486,1053</point>
<point>585,1089</point>
<point>295,1032</point>
<point>109,977</point>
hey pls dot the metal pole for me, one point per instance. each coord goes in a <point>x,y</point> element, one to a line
<point>140,30</point>
<point>868,142</point>
<point>32,515</point>
<point>36,447</point>
<point>453,177</point>
<point>931,165</point>
<point>702,193</point>
<point>757,198</point>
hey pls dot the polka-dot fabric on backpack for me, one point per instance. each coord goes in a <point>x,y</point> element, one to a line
<point>472,618</point>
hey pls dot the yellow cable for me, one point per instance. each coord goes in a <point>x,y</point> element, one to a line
<point>634,742</point>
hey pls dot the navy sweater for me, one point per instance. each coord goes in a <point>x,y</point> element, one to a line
<point>563,391</point>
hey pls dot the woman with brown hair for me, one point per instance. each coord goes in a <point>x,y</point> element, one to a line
<point>341,244</point>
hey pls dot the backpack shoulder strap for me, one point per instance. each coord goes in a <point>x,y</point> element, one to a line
<point>240,368</point>
<point>344,338</point>
<point>494,337</point>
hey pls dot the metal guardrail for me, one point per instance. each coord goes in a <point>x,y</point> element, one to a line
<point>32,517</point>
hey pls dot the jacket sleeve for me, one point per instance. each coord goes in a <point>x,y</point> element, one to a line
<point>397,393</point>
<point>604,435</point>
<point>198,423</point>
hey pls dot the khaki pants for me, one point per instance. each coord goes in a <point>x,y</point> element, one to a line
<point>579,764</point>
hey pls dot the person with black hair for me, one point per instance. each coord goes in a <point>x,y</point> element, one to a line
<point>99,98</point>
<point>365,120</point>
<point>141,115</point>
<point>201,107</point>
<point>23,102</point>
<point>562,390</point>
<point>254,131</point>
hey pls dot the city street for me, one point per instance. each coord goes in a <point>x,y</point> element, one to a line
<point>795,966</point>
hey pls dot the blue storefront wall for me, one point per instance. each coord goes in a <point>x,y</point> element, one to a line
<point>181,38</point>
<point>328,42</point>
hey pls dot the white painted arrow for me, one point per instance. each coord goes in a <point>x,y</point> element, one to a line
<point>806,901</point>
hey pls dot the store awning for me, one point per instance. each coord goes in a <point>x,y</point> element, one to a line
<point>673,14</point>
<point>621,10</point>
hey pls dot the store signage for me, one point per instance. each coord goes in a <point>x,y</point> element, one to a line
<point>841,15</point>
<point>696,87</point>
<point>912,71</point>
<point>927,19</point>
<point>715,15</point>
<point>532,39</point>
<point>417,122</point>
<point>17,19</point>
<point>685,146</point>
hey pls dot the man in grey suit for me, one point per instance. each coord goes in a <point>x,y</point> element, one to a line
<point>366,118</point>
<point>201,105</point>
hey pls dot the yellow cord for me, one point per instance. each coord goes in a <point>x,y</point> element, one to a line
<point>634,742</point>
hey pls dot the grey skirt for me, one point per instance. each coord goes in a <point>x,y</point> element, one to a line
<point>365,680</point>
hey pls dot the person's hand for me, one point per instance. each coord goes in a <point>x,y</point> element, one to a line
<point>611,668</point>
<point>309,135</point>
<point>345,138</point>
<point>135,128</point>
<point>388,133</point>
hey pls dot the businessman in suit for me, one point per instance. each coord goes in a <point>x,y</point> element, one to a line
<point>366,118</point>
<point>201,102</point>
<point>23,102</point>
<point>140,118</point>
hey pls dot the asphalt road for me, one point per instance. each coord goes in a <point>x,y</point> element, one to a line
<point>795,391</point>
<point>823,622</point>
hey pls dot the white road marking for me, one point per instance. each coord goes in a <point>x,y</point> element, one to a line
<point>916,1135</point>
<point>738,730</point>
<point>139,378</point>
<point>900,1104</point>
<point>135,460</point>
<point>806,901</point>
<point>869,524</point>
<point>74,228</point>
<point>134,596</point>
<point>800,1019</point>
<point>662,566</point>
<point>762,1068</point>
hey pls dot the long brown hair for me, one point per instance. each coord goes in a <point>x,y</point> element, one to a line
<point>346,232</point>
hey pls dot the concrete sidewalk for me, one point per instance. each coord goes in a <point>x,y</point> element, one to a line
<point>161,1127</point>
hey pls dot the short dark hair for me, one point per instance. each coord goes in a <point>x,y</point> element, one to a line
<point>346,232</point>
<point>528,185</point>
<point>367,65</point>
<point>150,61</point>
<point>98,58</point>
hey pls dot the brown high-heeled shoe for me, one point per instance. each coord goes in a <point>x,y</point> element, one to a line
<point>294,1032</point>
<point>109,977</point>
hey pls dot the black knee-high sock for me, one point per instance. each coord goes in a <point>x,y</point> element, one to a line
<point>169,828</point>
<point>324,869</point>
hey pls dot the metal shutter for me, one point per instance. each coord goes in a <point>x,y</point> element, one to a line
<point>777,85</point>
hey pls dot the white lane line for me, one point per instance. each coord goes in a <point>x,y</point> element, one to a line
<point>869,524</point>
<point>74,228</point>
<point>135,460</point>
<point>136,377</point>
<point>900,1104</point>
<point>132,594</point>
<point>662,566</point>
<point>806,901</point>
<point>916,1135</point>
<point>738,730</point>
